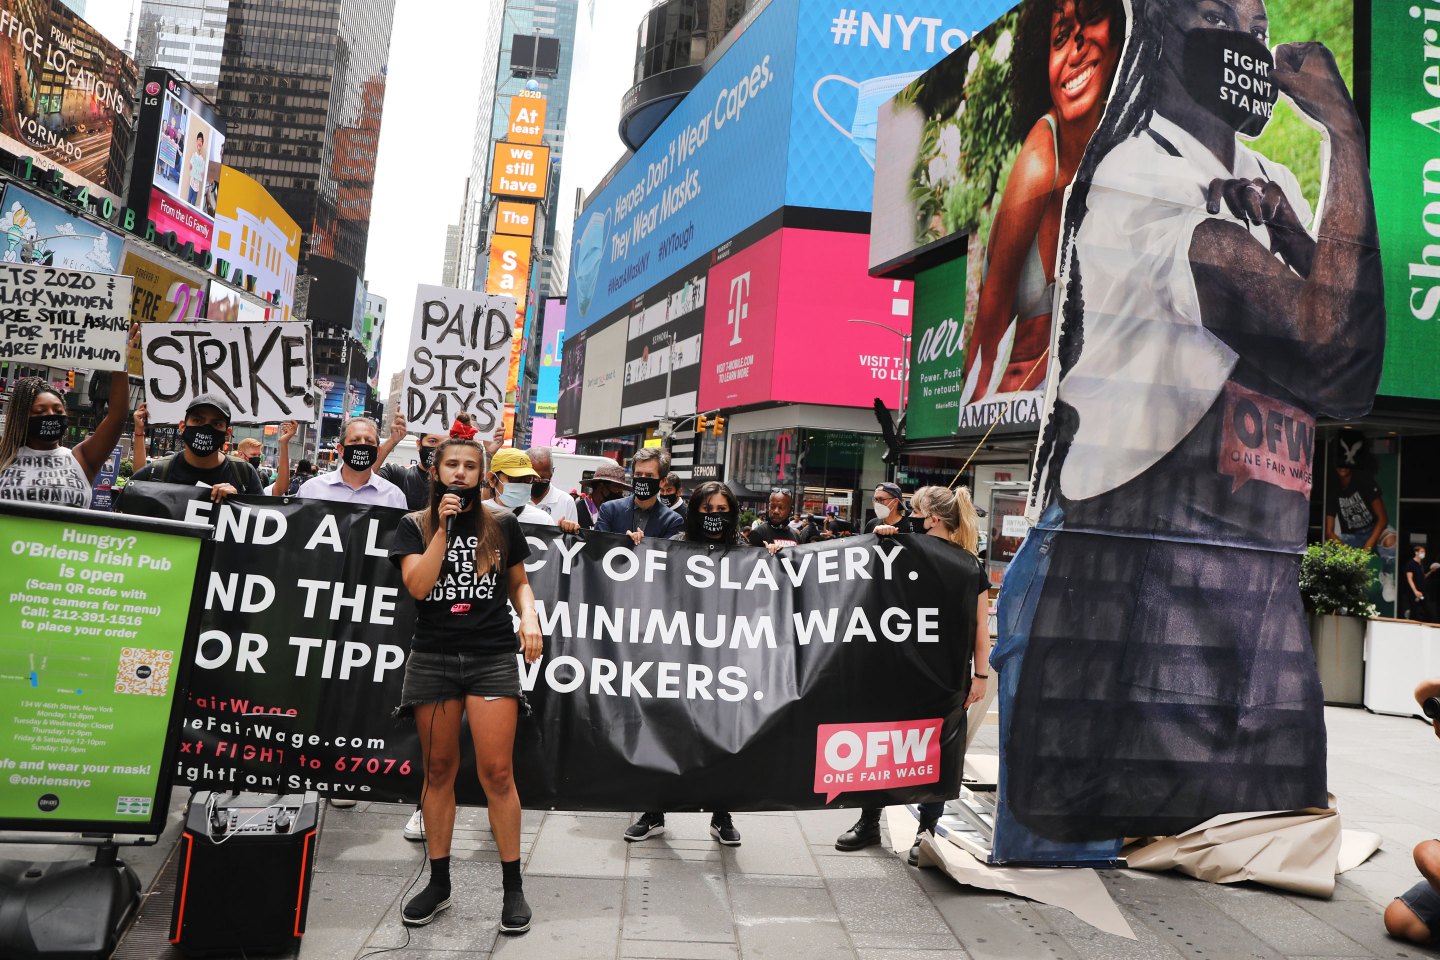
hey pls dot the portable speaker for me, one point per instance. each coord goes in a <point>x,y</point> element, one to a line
<point>243,873</point>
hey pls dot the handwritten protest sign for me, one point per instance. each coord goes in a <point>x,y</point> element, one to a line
<point>263,369</point>
<point>459,357</point>
<point>63,318</point>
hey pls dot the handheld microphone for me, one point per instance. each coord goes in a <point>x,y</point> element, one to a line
<point>450,520</point>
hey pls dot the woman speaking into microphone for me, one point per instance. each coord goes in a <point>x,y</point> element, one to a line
<point>461,561</point>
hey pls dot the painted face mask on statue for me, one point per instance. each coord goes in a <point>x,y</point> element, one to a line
<point>1232,75</point>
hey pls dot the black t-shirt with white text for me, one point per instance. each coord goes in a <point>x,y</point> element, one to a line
<point>464,612</point>
<point>1351,508</point>
<point>765,533</point>
<point>906,524</point>
<point>413,480</point>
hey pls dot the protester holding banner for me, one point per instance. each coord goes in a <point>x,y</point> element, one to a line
<point>35,467</point>
<point>774,530</point>
<point>452,557</point>
<point>712,517</point>
<point>204,432</point>
<point>356,480</point>
<point>606,484</point>
<point>642,514</point>
<point>951,516</point>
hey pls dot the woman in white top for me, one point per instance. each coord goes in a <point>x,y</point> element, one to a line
<point>1065,57</point>
<point>35,467</point>
<point>1164,667</point>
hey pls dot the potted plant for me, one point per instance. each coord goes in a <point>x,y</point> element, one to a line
<point>1335,583</point>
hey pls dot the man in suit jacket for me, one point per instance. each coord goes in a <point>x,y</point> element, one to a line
<point>641,514</point>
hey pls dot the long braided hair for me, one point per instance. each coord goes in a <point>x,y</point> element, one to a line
<point>1130,106</point>
<point>489,542</point>
<point>17,417</point>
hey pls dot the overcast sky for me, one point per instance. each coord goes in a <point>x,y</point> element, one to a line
<point>428,130</point>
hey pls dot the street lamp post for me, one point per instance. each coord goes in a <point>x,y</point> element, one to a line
<point>904,359</point>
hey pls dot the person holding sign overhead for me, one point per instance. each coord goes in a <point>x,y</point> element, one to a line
<point>641,514</point>
<point>35,467</point>
<point>205,431</point>
<point>461,561</point>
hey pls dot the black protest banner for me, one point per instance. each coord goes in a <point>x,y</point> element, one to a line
<point>65,318</point>
<point>459,358</point>
<point>673,677</point>
<point>263,369</point>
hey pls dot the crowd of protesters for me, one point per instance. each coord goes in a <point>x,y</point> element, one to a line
<point>461,554</point>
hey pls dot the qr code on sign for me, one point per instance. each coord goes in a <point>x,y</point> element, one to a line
<point>144,671</point>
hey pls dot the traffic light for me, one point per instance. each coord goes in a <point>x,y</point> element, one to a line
<point>718,426</point>
<point>702,423</point>
<point>69,379</point>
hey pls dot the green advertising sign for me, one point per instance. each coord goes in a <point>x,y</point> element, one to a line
<point>91,639</point>
<point>1405,173</point>
<point>937,352</point>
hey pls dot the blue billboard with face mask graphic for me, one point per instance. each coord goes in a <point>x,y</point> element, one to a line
<point>849,59</point>
<point>785,117</point>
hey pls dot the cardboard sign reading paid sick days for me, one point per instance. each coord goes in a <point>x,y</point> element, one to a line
<point>459,357</point>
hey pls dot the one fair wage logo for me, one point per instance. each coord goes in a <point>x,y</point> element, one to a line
<point>739,305</point>
<point>876,756</point>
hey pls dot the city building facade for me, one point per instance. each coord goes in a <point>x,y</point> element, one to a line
<point>186,36</point>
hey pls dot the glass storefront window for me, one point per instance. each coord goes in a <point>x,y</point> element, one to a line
<point>827,471</point>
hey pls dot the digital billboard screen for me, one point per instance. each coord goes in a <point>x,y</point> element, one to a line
<point>68,93</point>
<point>253,231</point>
<point>178,158</point>
<point>552,346</point>
<point>34,230</point>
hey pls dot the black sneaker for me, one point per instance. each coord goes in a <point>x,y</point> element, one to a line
<point>515,914</point>
<point>649,825</point>
<point>865,833</point>
<point>425,906</point>
<point>723,830</point>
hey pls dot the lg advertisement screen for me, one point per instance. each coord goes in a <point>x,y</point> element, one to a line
<point>181,146</point>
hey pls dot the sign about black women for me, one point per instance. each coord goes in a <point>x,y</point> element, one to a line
<point>459,358</point>
<point>674,677</point>
<point>63,318</point>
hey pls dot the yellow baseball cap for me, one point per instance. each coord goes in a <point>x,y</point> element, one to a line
<point>512,463</point>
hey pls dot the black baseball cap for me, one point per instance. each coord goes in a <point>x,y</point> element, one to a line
<point>891,488</point>
<point>210,400</point>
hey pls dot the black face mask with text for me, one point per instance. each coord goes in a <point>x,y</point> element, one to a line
<point>646,487</point>
<point>715,524</point>
<point>359,456</point>
<point>47,428</point>
<point>426,456</point>
<point>1232,75</point>
<point>202,440</point>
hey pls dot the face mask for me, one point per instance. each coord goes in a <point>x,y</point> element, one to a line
<point>589,253</point>
<point>202,440</point>
<point>359,456</point>
<point>715,523</point>
<point>881,510</point>
<point>255,461</point>
<point>1232,75</point>
<point>49,427</point>
<point>646,487</point>
<point>671,500</point>
<point>514,495</point>
<point>539,488</point>
<point>870,94</point>
<point>467,495</point>
<point>426,456</point>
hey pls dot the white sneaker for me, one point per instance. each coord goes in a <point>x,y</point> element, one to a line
<point>415,827</point>
<point>342,803</point>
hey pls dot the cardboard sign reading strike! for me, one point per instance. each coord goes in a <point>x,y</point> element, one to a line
<point>262,369</point>
<point>459,356</point>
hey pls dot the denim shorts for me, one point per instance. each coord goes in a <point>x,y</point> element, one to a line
<point>439,677</point>
<point>1425,902</point>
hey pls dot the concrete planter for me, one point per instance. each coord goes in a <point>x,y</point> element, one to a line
<point>1339,644</point>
